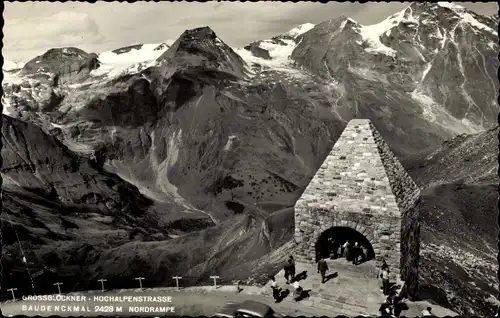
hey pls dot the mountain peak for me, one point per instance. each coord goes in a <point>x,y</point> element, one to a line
<point>449,13</point>
<point>298,30</point>
<point>201,47</point>
<point>65,61</point>
<point>450,5</point>
<point>201,33</point>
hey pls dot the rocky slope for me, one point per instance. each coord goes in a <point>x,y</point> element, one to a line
<point>460,192</point>
<point>213,135</point>
<point>56,203</point>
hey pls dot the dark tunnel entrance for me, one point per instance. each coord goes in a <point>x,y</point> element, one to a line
<point>330,240</point>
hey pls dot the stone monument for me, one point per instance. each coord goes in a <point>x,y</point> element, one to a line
<point>362,185</point>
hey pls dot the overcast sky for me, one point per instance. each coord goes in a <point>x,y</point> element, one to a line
<point>31,28</point>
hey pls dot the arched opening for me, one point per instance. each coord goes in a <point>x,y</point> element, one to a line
<point>330,240</point>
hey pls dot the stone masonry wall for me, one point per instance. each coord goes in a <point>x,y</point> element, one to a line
<point>361,185</point>
<point>407,195</point>
<point>403,187</point>
<point>410,251</point>
<point>383,233</point>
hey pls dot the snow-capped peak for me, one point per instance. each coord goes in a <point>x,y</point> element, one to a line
<point>130,59</point>
<point>371,33</point>
<point>301,29</point>
<point>466,16</point>
<point>279,48</point>
<point>134,54</point>
<point>450,5</point>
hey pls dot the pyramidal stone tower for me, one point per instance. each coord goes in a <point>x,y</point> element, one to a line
<point>361,185</point>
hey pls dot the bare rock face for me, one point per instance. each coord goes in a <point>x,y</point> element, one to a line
<point>62,65</point>
<point>128,49</point>
<point>53,197</point>
<point>257,51</point>
<point>202,48</point>
<point>39,163</point>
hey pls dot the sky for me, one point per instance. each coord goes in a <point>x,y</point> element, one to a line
<point>31,28</point>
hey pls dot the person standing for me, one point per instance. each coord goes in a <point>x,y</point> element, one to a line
<point>275,288</point>
<point>333,249</point>
<point>364,253</point>
<point>287,272</point>
<point>322,268</point>
<point>344,248</point>
<point>384,275</point>
<point>348,252</point>
<point>291,263</point>
<point>355,253</point>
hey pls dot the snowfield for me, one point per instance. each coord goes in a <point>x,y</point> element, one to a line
<point>279,52</point>
<point>134,60</point>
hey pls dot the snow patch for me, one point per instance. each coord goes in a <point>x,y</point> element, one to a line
<point>230,140</point>
<point>427,69</point>
<point>371,33</point>
<point>467,17</point>
<point>79,147</point>
<point>279,52</point>
<point>491,44</point>
<point>57,126</point>
<point>130,62</point>
<point>145,53</point>
<point>7,108</point>
<point>279,56</point>
<point>450,5</point>
<point>218,42</point>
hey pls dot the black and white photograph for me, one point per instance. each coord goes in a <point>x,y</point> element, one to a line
<point>250,159</point>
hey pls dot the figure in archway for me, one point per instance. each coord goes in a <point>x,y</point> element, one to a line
<point>324,246</point>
